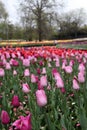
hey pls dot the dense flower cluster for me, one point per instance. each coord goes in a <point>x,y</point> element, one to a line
<point>43,88</point>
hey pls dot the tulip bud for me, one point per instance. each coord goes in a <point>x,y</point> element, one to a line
<point>26,62</point>
<point>75,84</point>
<point>25,88</point>
<point>41,98</point>
<point>68,69</point>
<point>43,81</point>
<point>15,101</point>
<point>5,119</point>
<point>8,66</point>
<point>14,72</point>
<point>33,78</point>
<point>26,72</point>
<point>2,73</point>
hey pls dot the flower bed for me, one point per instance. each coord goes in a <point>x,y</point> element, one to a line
<point>43,88</point>
<point>19,43</point>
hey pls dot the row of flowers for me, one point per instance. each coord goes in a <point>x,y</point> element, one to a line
<point>43,88</point>
<point>15,42</point>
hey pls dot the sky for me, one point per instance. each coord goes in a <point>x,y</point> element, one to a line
<point>12,6</point>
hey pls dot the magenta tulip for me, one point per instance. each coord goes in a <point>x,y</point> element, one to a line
<point>15,62</point>
<point>23,123</point>
<point>15,101</point>
<point>5,119</point>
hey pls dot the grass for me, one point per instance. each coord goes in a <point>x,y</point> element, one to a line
<point>75,46</point>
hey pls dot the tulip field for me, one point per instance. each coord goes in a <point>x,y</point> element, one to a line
<point>43,88</point>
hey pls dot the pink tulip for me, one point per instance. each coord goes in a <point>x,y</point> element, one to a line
<point>63,65</point>
<point>25,88</point>
<point>2,72</point>
<point>7,66</point>
<point>26,62</point>
<point>14,72</point>
<point>57,76</point>
<point>68,69</point>
<point>18,54</point>
<point>44,70</point>
<point>33,78</point>
<point>57,64</point>
<point>4,61</point>
<point>2,57</point>
<point>71,63</point>
<point>15,101</point>
<point>43,80</point>
<point>23,123</point>
<point>41,98</point>
<point>48,87</point>
<point>5,119</point>
<point>7,55</point>
<point>81,67</point>
<point>75,84</point>
<point>59,83</point>
<point>26,72</point>
<point>49,65</point>
<point>81,77</point>
<point>84,60</point>
<point>13,55</point>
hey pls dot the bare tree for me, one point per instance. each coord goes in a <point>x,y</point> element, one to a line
<point>3,12</point>
<point>71,21</point>
<point>38,13</point>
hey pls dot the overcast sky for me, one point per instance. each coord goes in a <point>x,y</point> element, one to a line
<point>12,6</point>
